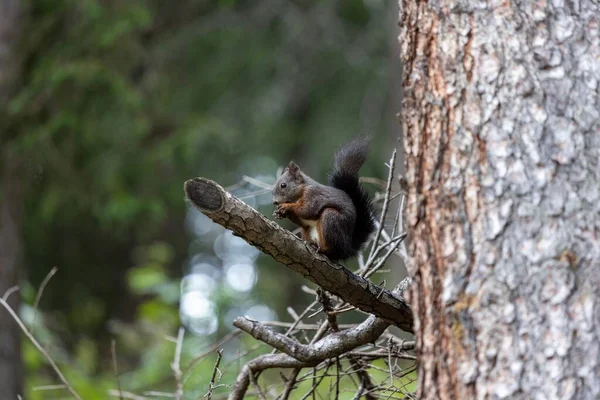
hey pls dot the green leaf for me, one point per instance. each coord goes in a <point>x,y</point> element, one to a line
<point>143,279</point>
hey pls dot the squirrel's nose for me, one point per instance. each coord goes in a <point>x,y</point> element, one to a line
<point>275,203</point>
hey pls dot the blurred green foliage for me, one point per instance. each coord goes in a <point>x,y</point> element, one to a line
<point>119,103</point>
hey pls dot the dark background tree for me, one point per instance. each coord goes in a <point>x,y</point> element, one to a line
<point>11,200</point>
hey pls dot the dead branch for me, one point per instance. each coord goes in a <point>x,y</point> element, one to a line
<point>230,212</point>
<point>176,365</point>
<point>212,385</point>
<point>331,346</point>
<point>297,355</point>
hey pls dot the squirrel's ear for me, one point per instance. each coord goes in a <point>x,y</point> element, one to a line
<point>292,168</point>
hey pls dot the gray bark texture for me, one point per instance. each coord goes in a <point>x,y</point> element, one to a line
<point>502,121</point>
<point>11,201</point>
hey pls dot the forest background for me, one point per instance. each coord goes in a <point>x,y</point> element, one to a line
<point>110,106</point>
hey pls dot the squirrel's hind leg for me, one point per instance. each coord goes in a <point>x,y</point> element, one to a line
<point>306,236</point>
<point>335,234</point>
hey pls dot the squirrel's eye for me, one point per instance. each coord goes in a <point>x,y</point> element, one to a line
<point>283,185</point>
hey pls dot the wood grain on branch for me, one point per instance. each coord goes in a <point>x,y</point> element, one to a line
<point>235,215</point>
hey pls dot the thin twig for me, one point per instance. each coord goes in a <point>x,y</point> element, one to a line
<point>48,387</point>
<point>332,319</point>
<point>317,383</point>
<point>126,395</point>
<point>39,296</point>
<point>254,194</point>
<point>211,385</point>
<point>113,348</point>
<point>384,258</point>
<point>207,352</point>
<point>175,366</point>
<point>297,321</point>
<point>386,202</point>
<point>291,381</point>
<point>337,380</point>
<point>373,181</point>
<point>390,350</point>
<point>257,182</point>
<point>308,327</point>
<point>10,291</point>
<point>39,347</point>
<point>159,394</point>
<point>255,384</point>
<point>379,249</point>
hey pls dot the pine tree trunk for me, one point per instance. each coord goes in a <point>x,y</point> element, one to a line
<point>502,122</point>
<point>11,203</point>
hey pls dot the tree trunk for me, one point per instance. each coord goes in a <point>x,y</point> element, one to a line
<point>502,128</point>
<point>11,204</point>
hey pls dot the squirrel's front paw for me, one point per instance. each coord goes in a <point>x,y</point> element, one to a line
<point>280,212</point>
<point>314,245</point>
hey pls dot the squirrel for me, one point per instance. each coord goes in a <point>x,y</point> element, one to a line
<point>337,218</point>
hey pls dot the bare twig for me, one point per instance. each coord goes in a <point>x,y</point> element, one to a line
<point>126,395</point>
<point>390,350</point>
<point>381,262</point>
<point>175,366</point>
<point>10,291</point>
<point>332,319</point>
<point>257,182</point>
<point>207,352</point>
<point>39,296</point>
<point>154,393</point>
<point>39,347</point>
<point>291,382</point>
<point>113,348</point>
<point>308,327</point>
<point>386,202</point>
<point>255,384</point>
<point>373,181</point>
<point>294,325</point>
<point>48,387</point>
<point>392,243</point>
<point>337,381</point>
<point>211,385</point>
<point>316,382</point>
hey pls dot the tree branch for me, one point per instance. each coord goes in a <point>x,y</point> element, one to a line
<point>330,346</point>
<point>299,355</point>
<point>230,212</point>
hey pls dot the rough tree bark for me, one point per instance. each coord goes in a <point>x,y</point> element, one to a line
<point>502,127</point>
<point>11,200</point>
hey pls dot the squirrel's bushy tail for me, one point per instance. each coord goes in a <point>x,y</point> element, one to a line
<point>346,163</point>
